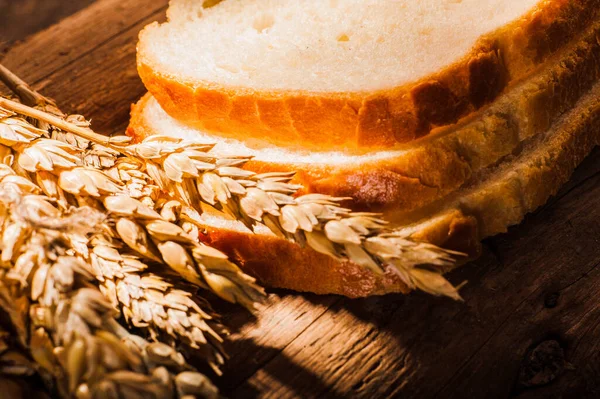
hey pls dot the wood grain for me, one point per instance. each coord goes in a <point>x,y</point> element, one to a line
<point>538,283</point>
<point>20,18</point>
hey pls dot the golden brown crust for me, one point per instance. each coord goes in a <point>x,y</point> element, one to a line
<point>385,118</point>
<point>499,201</point>
<point>518,187</point>
<point>445,161</point>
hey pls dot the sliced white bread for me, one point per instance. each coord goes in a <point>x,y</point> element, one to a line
<point>396,182</point>
<point>496,197</point>
<point>347,74</point>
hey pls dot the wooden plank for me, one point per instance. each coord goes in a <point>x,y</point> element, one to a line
<point>418,346</point>
<point>78,35</point>
<point>103,97</point>
<point>92,66</point>
<point>19,19</point>
<point>559,248</point>
<point>306,345</point>
<point>259,338</point>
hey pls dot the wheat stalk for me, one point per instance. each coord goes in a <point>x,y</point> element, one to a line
<point>196,176</point>
<point>74,335</point>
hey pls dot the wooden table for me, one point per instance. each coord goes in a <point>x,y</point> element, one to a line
<point>530,323</point>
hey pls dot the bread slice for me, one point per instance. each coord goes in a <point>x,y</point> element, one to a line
<point>347,74</point>
<point>496,197</point>
<point>394,182</point>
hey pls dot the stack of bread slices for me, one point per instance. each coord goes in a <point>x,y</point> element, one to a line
<point>452,118</point>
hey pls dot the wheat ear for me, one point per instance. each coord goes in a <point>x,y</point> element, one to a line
<point>197,176</point>
<point>74,336</point>
<point>146,301</point>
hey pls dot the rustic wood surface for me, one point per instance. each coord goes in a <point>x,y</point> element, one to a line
<point>20,18</point>
<point>530,323</point>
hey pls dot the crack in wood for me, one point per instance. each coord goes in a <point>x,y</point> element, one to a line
<point>585,274</point>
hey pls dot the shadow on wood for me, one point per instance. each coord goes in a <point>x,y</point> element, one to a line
<point>289,374</point>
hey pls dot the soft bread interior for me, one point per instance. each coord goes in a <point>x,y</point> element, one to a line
<point>481,138</point>
<point>319,46</point>
<point>530,105</point>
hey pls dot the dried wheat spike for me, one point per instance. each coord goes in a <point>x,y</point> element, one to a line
<point>74,335</point>
<point>148,301</point>
<point>56,167</point>
<point>193,174</point>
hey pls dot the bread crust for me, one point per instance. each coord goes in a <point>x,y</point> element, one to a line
<point>381,119</point>
<point>282,264</point>
<point>519,186</point>
<point>500,200</point>
<point>446,160</point>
